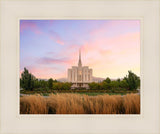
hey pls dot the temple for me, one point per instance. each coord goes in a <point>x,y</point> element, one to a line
<point>80,75</point>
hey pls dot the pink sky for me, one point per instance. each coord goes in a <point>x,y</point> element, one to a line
<point>109,47</point>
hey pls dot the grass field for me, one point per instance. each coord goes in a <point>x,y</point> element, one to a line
<point>72,103</point>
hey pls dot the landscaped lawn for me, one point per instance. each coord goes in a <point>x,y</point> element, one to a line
<point>89,93</point>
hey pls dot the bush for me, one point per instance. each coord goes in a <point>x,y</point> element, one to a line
<point>94,86</point>
<point>105,86</point>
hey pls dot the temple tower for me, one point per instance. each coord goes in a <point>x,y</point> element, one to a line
<point>80,75</point>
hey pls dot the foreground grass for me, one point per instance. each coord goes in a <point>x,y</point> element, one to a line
<point>80,104</point>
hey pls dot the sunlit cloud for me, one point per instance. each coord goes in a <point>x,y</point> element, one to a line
<point>47,60</point>
<point>29,25</point>
<point>55,37</point>
<point>45,72</point>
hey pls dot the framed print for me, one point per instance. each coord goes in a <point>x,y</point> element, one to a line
<point>80,66</point>
<point>94,89</point>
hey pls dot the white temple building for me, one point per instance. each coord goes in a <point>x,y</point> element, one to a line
<point>80,75</point>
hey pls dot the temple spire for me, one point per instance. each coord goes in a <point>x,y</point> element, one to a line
<point>79,62</point>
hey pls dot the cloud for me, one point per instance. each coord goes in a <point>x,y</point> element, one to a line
<point>55,37</point>
<point>116,27</point>
<point>47,60</point>
<point>29,25</point>
<point>45,72</point>
<point>113,55</point>
<point>125,41</point>
<point>70,50</point>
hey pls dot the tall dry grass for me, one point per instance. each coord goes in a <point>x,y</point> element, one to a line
<point>33,104</point>
<point>80,104</point>
<point>131,104</point>
<point>65,104</point>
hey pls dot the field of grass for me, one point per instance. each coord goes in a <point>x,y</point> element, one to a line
<point>72,103</point>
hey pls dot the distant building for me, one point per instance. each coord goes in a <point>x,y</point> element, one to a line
<point>80,75</point>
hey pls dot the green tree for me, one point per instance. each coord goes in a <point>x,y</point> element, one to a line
<point>94,86</point>
<point>124,84</point>
<point>119,80</point>
<point>105,86</point>
<point>50,83</point>
<point>36,83</point>
<point>31,81</point>
<point>57,86</point>
<point>55,81</point>
<point>133,80</point>
<point>43,83</point>
<point>27,80</point>
<point>108,80</point>
<point>66,86</point>
<point>114,84</point>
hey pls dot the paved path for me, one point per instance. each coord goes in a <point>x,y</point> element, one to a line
<point>31,94</point>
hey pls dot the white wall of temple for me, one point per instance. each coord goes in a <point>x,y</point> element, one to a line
<point>84,73</point>
<point>86,76</point>
<point>72,75</point>
<point>91,78</point>
<point>69,75</point>
<point>76,75</point>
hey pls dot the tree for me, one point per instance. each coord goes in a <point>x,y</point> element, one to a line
<point>133,80</point>
<point>105,85</point>
<point>108,80</point>
<point>55,81</point>
<point>94,86</point>
<point>124,84</point>
<point>114,84</point>
<point>50,83</point>
<point>57,86</point>
<point>66,86</point>
<point>27,80</point>
<point>119,80</point>
<point>43,83</point>
<point>36,83</point>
